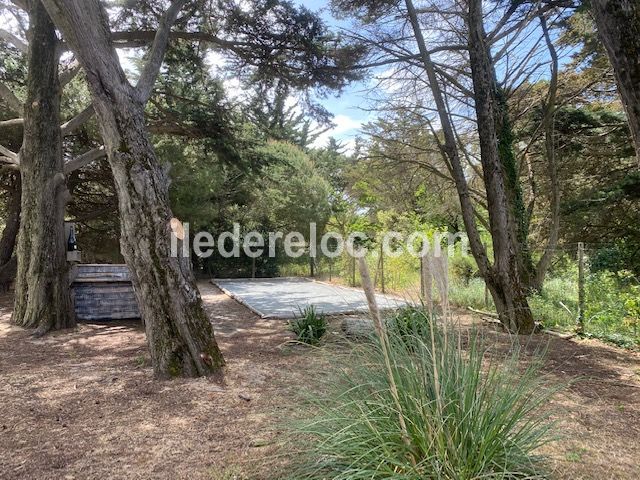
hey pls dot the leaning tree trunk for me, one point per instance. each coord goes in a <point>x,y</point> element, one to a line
<point>618,23</point>
<point>42,298</point>
<point>179,333</point>
<point>505,278</point>
<point>502,275</point>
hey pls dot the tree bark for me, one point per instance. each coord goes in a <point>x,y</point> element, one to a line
<point>505,279</point>
<point>42,299</point>
<point>618,23</point>
<point>12,224</point>
<point>180,336</point>
<point>503,276</point>
<point>10,234</point>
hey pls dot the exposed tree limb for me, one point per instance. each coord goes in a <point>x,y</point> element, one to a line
<point>84,160</point>
<point>69,73</point>
<point>14,122</point>
<point>152,68</point>
<point>11,156</point>
<point>76,122</point>
<point>10,99</point>
<point>13,40</point>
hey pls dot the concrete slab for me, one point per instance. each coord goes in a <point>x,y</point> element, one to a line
<point>282,297</point>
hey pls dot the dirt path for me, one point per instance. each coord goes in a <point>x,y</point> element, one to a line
<point>83,404</point>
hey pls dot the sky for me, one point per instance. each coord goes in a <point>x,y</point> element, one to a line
<point>346,107</point>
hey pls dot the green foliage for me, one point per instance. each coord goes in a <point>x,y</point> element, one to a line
<point>409,322</point>
<point>612,304</point>
<point>471,294</point>
<point>465,418</point>
<point>310,326</point>
<point>612,308</point>
<point>463,268</point>
<point>557,306</point>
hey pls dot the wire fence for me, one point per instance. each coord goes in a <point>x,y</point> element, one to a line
<point>576,296</point>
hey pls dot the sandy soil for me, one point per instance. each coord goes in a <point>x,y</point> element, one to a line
<point>83,404</point>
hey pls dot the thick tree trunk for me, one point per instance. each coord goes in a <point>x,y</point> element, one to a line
<point>505,279</point>
<point>179,333</point>
<point>42,299</point>
<point>618,23</point>
<point>513,188</point>
<point>10,234</point>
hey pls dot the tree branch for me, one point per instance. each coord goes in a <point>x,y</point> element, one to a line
<point>158,49</point>
<point>8,156</point>
<point>69,73</point>
<point>14,122</point>
<point>84,160</point>
<point>76,122</point>
<point>13,40</point>
<point>10,99</point>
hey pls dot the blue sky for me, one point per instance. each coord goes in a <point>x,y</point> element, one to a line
<point>346,107</point>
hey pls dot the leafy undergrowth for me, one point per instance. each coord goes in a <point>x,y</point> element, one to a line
<point>612,312</point>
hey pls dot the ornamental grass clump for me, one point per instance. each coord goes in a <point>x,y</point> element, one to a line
<point>309,325</point>
<point>447,410</point>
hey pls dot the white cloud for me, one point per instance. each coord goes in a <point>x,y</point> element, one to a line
<point>345,129</point>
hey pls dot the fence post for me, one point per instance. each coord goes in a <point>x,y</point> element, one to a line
<point>580,287</point>
<point>426,281</point>
<point>382,268</point>
<point>486,295</point>
<point>353,271</point>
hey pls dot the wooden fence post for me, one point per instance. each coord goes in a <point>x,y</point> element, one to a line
<point>581,306</point>
<point>382,268</point>
<point>353,271</point>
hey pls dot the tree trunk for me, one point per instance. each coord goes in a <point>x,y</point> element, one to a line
<point>42,299</point>
<point>548,123</point>
<point>179,333</point>
<point>503,276</point>
<point>618,23</point>
<point>504,280</point>
<point>511,174</point>
<point>10,234</point>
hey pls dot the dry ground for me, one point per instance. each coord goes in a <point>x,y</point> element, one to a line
<point>82,404</point>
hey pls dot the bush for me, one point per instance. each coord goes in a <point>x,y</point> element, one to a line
<point>470,295</point>
<point>463,269</point>
<point>612,307</point>
<point>408,322</point>
<point>309,326</point>
<point>464,419</point>
<point>557,305</point>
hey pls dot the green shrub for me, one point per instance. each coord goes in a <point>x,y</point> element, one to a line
<point>408,322</point>
<point>463,268</point>
<point>557,306</point>
<point>470,295</point>
<point>309,325</point>
<point>612,308</point>
<point>465,419</point>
